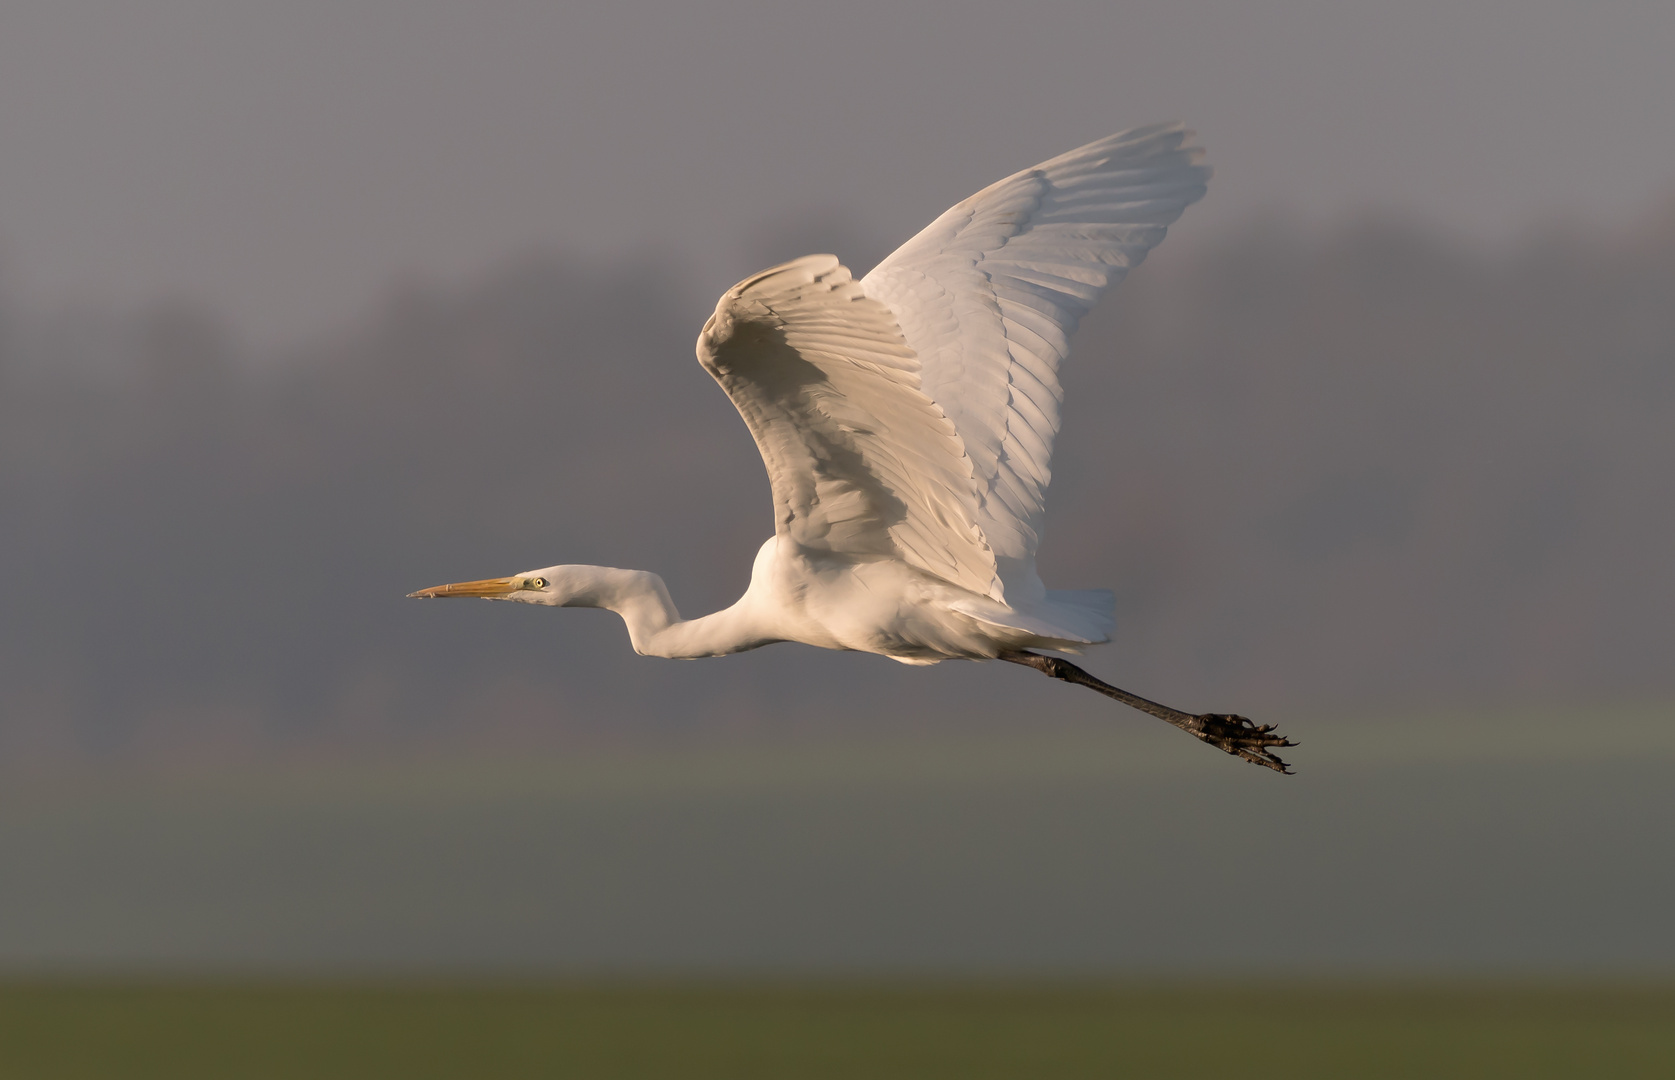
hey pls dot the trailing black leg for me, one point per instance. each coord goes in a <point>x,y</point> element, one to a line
<point>1234,734</point>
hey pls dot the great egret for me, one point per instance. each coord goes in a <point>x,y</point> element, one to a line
<point>907,423</point>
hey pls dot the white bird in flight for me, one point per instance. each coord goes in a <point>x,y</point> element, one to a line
<point>907,423</point>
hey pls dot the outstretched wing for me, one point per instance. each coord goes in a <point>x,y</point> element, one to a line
<point>990,292</point>
<point>861,461</point>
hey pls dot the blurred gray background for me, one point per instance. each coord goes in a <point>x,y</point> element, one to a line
<point>305,306</point>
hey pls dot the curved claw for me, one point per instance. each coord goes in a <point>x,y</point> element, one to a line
<point>1241,737</point>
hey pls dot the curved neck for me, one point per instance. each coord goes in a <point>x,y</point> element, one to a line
<point>654,625</point>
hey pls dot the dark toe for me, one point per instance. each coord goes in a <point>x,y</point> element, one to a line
<point>1239,736</point>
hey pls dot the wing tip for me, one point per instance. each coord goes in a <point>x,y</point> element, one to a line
<point>1132,146</point>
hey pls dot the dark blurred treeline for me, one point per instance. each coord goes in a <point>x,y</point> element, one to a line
<point>1362,470</point>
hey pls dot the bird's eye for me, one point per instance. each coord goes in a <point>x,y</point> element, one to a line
<point>537,583</point>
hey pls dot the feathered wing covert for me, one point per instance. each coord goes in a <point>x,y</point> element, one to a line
<point>861,462</point>
<point>989,294</point>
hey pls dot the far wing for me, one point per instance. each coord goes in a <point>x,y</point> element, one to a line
<point>990,292</point>
<point>861,462</point>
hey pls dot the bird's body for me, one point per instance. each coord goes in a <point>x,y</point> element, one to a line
<point>874,605</point>
<point>907,423</point>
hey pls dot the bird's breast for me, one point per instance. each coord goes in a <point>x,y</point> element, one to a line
<point>879,606</point>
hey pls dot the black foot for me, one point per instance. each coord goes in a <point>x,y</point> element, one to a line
<point>1234,734</point>
<point>1238,736</point>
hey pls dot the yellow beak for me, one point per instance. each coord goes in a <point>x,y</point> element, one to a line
<point>490,587</point>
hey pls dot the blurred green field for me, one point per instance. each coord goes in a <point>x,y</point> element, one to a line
<point>741,1031</point>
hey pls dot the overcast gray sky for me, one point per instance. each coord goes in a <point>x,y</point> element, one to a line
<point>285,161</point>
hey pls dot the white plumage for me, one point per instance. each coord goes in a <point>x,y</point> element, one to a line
<point>907,423</point>
<point>989,294</point>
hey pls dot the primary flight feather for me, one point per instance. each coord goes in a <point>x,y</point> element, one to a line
<point>907,421</point>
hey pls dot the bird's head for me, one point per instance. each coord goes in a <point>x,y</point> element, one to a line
<point>555,586</point>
